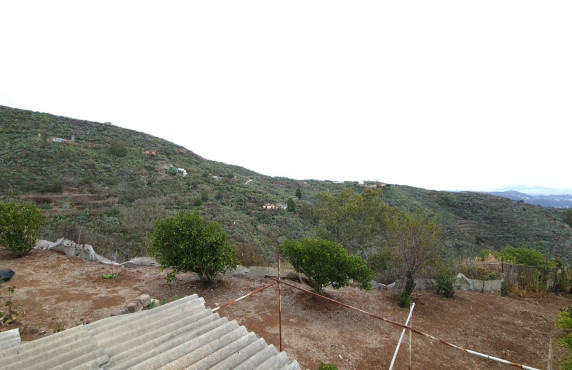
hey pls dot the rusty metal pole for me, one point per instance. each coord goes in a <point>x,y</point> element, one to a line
<point>416,331</point>
<point>279,304</point>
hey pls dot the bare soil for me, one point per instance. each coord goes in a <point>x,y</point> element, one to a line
<point>56,292</point>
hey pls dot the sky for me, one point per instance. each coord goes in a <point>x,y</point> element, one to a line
<point>443,95</point>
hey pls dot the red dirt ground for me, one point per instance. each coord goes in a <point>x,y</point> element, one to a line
<point>56,291</point>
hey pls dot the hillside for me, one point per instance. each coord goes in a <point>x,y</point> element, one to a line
<point>106,186</point>
<point>544,200</point>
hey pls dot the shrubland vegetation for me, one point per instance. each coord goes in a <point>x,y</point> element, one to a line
<point>106,186</point>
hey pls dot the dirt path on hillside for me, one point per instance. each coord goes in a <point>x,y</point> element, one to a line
<point>57,292</point>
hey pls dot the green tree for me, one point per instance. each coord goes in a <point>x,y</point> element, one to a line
<point>417,240</point>
<point>326,263</point>
<point>187,242</point>
<point>291,205</point>
<point>20,225</point>
<point>356,221</point>
<point>298,193</point>
<point>522,256</point>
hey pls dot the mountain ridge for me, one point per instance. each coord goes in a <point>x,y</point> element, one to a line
<point>106,186</point>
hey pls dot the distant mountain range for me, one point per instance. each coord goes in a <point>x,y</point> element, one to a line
<point>545,197</point>
<point>106,186</point>
<point>535,190</point>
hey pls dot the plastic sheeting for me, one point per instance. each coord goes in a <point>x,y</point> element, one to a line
<point>86,252</point>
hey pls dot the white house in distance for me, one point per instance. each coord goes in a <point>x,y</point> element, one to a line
<point>273,206</point>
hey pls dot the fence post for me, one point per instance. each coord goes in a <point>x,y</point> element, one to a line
<point>279,304</point>
<point>401,338</point>
<point>410,350</point>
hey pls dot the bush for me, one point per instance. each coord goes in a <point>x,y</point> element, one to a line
<point>20,225</point>
<point>328,366</point>
<point>117,148</point>
<point>565,322</point>
<point>445,278</point>
<point>187,242</point>
<point>404,298</point>
<point>522,256</point>
<point>172,171</point>
<point>504,289</point>
<point>326,263</point>
<point>484,254</point>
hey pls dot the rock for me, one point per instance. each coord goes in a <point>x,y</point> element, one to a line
<point>144,299</point>
<point>122,311</point>
<point>392,285</point>
<point>132,307</point>
<point>240,271</point>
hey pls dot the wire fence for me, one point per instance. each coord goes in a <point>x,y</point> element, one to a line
<point>521,279</point>
<point>522,273</point>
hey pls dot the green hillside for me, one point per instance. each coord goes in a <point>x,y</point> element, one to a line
<point>106,186</point>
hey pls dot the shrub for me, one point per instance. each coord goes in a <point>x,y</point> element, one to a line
<point>11,314</point>
<point>404,298</point>
<point>20,225</point>
<point>504,289</point>
<point>117,148</point>
<point>187,242</point>
<point>445,278</point>
<point>172,171</point>
<point>328,366</point>
<point>484,253</point>
<point>565,322</point>
<point>522,256</point>
<point>326,263</point>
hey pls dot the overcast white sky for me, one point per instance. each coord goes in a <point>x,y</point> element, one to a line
<point>446,95</point>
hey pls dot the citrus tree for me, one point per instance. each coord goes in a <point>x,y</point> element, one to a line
<point>326,263</point>
<point>20,225</point>
<point>189,243</point>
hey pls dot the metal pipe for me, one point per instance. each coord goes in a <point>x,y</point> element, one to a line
<point>401,337</point>
<point>241,298</point>
<point>515,364</point>
<point>410,350</point>
<point>279,304</point>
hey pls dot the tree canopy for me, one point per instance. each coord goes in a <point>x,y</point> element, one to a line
<point>522,256</point>
<point>416,238</point>
<point>357,221</point>
<point>20,225</point>
<point>326,263</point>
<point>189,243</point>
